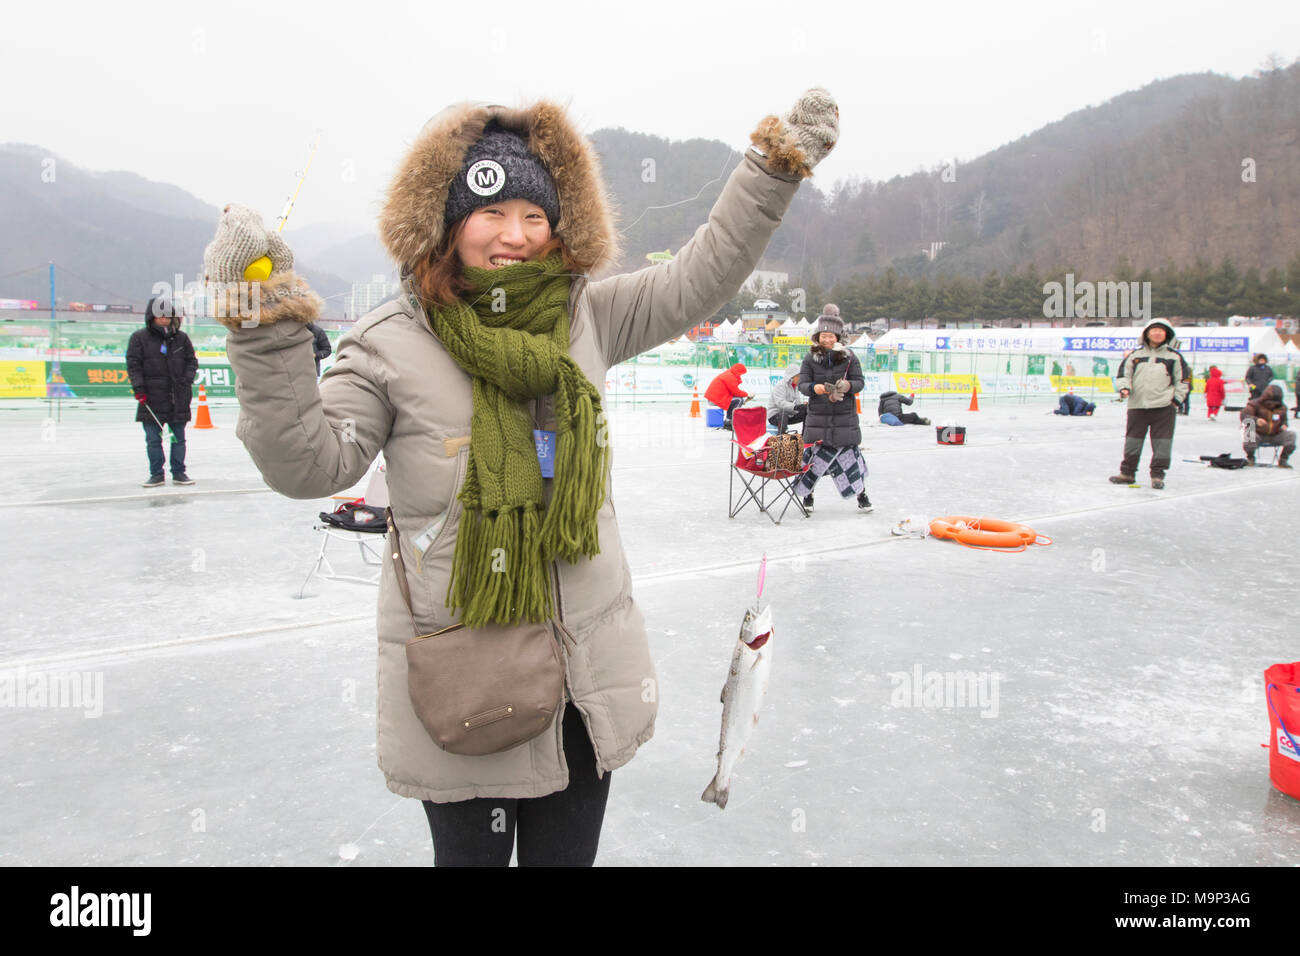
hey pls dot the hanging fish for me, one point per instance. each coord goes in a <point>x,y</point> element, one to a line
<point>742,695</point>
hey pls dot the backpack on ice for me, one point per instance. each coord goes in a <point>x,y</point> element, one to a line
<point>1224,460</point>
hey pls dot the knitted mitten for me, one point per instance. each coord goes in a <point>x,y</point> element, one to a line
<point>241,238</point>
<point>239,303</point>
<point>800,140</point>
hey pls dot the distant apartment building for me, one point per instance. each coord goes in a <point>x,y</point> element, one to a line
<point>367,295</point>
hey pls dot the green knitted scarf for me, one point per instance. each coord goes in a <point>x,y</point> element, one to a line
<point>510,331</point>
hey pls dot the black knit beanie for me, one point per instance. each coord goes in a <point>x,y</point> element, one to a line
<point>497,168</point>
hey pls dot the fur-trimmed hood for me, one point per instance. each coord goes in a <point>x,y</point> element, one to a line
<point>1171,337</point>
<point>411,223</point>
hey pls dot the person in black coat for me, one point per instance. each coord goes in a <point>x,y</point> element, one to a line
<point>162,364</point>
<point>830,376</point>
<point>1259,374</point>
<point>321,346</point>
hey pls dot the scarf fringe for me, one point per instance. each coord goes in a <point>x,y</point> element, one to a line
<point>497,573</point>
<point>569,530</point>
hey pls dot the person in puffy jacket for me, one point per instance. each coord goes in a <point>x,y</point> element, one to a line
<point>1155,379</point>
<point>1263,422</point>
<point>1214,393</point>
<point>1071,404</point>
<point>162,365</point>
<point>1259,374</point>
<point>497,217</point>
<point>789,407</point>
<point>890,410</point>
<point>830,376</point>
<point>725,391</point>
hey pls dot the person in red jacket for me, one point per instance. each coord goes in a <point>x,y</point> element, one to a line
<point>1214,393</point>
<point>725,391</point>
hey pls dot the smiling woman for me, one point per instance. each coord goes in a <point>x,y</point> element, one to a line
<point>477,385</point>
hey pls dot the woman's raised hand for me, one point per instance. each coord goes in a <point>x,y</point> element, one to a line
<point>240,240</point>
<point>815,121</point>
<point>799,140</point>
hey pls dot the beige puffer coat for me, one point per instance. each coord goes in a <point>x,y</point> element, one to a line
<point>395,389</point>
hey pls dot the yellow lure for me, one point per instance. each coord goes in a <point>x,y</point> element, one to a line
<point>258,270</point>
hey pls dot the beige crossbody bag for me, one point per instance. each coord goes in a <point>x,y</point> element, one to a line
<point>480,690</point>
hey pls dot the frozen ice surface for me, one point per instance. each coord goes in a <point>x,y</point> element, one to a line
<point>1121,668</point>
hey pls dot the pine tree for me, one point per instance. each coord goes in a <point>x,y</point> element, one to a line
<point>991,304</point>
<point>1222,292</point>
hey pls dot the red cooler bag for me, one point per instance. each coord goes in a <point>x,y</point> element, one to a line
<point>1282,691</point>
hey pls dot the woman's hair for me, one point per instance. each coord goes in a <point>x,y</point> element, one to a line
<point>441,280</point>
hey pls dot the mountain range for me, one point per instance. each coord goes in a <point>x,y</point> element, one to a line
<point>1198,167</point>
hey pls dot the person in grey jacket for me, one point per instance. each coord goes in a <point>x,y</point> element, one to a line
<point>830,376</point>
<point>497,217</point>
<point>321,345</point>
<point>789,407</point>
<point>1154,379</point>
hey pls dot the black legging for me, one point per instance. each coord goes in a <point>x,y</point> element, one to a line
<point>559,829</point>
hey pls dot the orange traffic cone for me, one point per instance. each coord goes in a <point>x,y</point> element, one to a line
<point>204,419</point>
<point>857,401</point>
<point>974,399</point>
<point>695,403</point>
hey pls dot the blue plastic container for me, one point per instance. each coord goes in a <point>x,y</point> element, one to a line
<point>715,417</point>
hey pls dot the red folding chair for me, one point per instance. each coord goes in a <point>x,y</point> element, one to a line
<point>755,474</point>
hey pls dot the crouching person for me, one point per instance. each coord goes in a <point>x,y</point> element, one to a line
<point>890,410</point>
<point>1072,404</point>
<point>725,391</point>
<point>1263,422</point>
<point>789,407</point>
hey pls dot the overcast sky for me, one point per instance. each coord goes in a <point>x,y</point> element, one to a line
<point>225,99</point>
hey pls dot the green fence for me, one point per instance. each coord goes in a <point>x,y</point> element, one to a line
<point>82,357</point>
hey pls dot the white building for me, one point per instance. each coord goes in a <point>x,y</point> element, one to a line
<point>367,295</point>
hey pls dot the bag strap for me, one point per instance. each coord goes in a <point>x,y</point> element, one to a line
<point>400,568</point>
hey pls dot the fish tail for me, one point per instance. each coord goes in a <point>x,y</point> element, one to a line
<point>713,795</point>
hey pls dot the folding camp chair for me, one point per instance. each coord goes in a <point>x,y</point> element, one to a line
<point>358,521</point>
<point>755,473</point>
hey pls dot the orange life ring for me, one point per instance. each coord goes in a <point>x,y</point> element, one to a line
<point>986,532</point>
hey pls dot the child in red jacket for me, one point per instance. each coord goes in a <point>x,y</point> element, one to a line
<point>1214,393</point>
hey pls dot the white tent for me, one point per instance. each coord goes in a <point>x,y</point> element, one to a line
<point>727,331</point>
